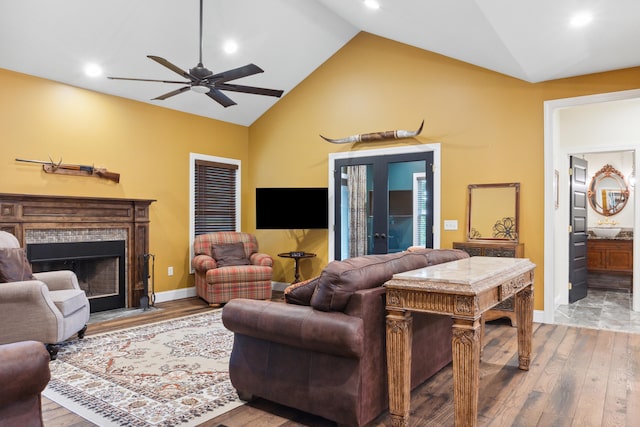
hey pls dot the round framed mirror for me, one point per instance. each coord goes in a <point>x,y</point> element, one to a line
<point>608,192</point>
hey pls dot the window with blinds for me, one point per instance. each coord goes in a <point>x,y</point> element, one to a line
<point>215,194</point>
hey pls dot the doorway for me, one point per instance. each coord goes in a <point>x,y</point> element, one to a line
<point>384,204</point>
<point>601,131</point>
<point>384,200</point>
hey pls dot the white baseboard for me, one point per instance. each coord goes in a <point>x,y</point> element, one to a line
<point>538,316</point>
<point>176,294</point>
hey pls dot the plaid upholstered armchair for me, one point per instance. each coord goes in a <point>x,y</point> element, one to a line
<point>227,265</point>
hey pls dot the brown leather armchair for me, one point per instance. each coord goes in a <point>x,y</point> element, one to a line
<point>24,373</point>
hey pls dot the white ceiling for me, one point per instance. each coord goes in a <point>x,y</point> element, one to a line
<point>289,39</point>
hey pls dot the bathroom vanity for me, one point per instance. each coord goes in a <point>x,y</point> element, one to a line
<point>610,256</point>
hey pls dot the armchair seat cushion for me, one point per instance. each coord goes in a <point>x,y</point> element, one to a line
<point>68,301</point>
<point>239,274</point>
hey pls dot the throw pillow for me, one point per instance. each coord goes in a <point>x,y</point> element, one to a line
<point>14,266</point>
<point>300,293</point>
<point>340,279</point>
<point>227,254</point>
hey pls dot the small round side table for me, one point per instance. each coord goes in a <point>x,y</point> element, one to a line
<point>296,256</point>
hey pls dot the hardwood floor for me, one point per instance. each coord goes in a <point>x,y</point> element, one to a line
<point>578,377</point>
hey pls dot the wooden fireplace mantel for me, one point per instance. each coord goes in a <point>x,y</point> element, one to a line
<point>22,212</point>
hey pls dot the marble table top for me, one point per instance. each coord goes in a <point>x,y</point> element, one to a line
<point>466,276</point>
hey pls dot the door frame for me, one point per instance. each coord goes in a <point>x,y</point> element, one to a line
<point>556,236</point>
<point>435,148</point>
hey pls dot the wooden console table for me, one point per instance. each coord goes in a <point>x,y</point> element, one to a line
<point>463,289</point>
<point>497,249</point>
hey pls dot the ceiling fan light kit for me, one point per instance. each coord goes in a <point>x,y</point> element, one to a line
<point>200,89</point>
<point>202,80</point>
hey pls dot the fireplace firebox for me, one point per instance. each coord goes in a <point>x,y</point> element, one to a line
<point>99,266</point>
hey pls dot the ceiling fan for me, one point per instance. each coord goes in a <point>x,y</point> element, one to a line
<point>202,80</point>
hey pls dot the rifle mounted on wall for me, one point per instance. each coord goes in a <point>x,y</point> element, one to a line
<point>73,169</point>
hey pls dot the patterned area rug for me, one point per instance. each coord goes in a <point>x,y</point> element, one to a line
<point>165,374</point>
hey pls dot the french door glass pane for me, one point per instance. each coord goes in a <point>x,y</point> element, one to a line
<point>384,204</point>
<point>406,202</point>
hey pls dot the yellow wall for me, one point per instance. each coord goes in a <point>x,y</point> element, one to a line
<point>149,146</point>
<point>490,127</point>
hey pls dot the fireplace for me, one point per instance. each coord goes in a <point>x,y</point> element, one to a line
<point>99,267</point>
<point>41,219</point>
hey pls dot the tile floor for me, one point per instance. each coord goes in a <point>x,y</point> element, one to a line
<point>601,309</point>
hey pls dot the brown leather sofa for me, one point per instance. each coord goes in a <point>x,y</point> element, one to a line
<point>323,352</point>
<point>24,373</point>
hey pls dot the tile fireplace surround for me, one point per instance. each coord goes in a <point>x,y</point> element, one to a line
<point>51,219</point>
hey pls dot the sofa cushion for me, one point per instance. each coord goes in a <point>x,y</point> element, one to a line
<point>296,326</point>
<point>68,301</point>
<point>340,279</point>
<point>227,254</point>
<point>14,266</point>
<point>300,293</point>
<point>439,256</point>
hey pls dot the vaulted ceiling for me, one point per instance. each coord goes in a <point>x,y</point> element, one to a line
<point>529,39</point>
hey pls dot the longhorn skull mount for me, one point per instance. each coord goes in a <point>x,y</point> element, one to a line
<point>376,136</point>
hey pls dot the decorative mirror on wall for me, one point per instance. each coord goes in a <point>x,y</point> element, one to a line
<point>493,212</point>
<point>608,192</point>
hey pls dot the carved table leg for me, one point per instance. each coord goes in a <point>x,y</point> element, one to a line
<point>399,335</point>
<point>466,371</point>
<point>524,316</point>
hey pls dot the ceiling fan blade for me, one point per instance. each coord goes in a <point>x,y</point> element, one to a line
<point>148,80</point>
<point>220,98</point>
<point>250,89</point>
<point>236,73</point>
<point>172,93</point>
<point>171,66</point>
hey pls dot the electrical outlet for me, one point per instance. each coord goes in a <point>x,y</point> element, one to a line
<point>450,224</point>
<point>170,271</point>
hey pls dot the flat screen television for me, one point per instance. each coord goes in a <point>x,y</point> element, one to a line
<point>292,208</point>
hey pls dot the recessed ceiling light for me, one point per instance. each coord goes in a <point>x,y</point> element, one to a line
<point>581,19</point>
<point>230,46</point>
<point>372,4</point>
<point>93,70</point>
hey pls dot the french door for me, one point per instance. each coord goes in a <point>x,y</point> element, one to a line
<point>383,204</point>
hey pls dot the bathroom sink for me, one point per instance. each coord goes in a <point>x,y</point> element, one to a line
<point>606,232</point>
